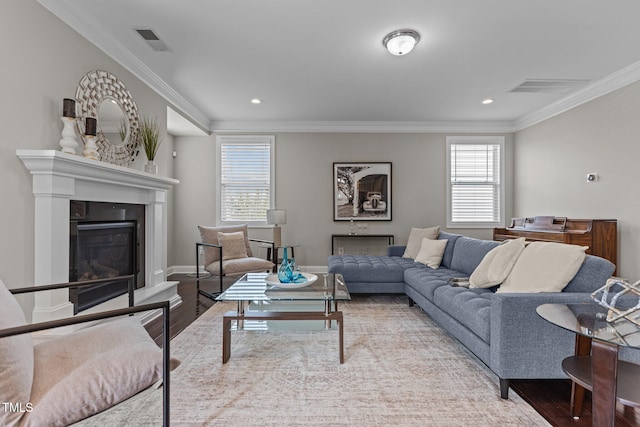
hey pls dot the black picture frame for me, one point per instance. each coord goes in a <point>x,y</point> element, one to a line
<point>362,191</point>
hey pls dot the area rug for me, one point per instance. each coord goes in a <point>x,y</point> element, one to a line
<point>400,370</point>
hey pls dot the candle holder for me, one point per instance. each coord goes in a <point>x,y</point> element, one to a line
<point>68,143</point>
<point>90,148</point>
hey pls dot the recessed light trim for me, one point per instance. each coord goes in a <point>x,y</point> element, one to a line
<point>401,42</point>
<point>256,101</point>
<point>487,101</point>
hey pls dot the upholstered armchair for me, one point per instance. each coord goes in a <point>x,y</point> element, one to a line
<point>71,376</point>
<point>227,252</point>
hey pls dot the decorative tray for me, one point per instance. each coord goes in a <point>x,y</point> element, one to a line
<point>272,280</point>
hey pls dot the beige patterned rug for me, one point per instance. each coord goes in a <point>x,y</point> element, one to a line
<point>399,370</point>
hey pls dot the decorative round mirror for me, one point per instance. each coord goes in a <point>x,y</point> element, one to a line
<point>101,95</point>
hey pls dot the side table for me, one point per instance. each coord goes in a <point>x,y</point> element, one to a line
<point>595,365</point>
<point>275,256</point>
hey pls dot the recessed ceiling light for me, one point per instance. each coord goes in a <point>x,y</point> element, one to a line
<point>256,101</point>
<point>487,101</point>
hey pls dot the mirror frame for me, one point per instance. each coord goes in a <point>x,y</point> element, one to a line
<point>94,88</point>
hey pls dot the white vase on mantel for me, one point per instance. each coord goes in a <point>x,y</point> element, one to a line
<point>68,143</point>
<point>151,167</point>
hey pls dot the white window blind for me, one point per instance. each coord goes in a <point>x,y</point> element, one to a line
<point>475,182</point>
<point>245,179</point>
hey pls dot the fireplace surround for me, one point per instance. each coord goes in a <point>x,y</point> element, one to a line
<point>59,178</point>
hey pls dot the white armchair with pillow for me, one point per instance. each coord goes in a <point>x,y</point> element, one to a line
<point>64,379</point>
<point>227,252</point>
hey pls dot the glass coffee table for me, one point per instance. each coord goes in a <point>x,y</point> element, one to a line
<point>327,290</point>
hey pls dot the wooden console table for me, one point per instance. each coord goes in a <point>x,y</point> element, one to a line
<point>390,238</point>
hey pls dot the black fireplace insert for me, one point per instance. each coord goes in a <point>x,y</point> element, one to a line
<point>106,240</point>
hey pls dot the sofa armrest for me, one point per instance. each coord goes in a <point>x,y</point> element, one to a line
<point>523,344</point>
<point>395,250</point>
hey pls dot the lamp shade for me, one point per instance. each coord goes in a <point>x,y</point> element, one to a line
<point>401,42</point>
<point>276,216</point>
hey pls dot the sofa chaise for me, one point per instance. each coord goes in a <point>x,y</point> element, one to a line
<point>502,329</point>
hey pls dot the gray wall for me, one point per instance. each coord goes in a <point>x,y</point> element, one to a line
<point>554,157</point>
<point>43,62</point>
<point>304,168</point>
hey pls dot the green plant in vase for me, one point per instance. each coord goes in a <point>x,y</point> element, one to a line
<point>150,141</point>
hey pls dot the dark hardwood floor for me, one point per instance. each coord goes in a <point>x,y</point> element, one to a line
<point>549,397</point>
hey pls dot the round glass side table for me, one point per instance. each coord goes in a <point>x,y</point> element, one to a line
<point>595,365</point>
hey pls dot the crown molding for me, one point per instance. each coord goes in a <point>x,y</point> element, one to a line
<point>88,28</point>
<point>608,84</point>
<point>363,126</point>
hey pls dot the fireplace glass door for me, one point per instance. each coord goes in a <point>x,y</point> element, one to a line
<point>98,251</point>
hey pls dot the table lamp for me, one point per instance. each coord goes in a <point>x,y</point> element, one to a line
<point>276,217</point>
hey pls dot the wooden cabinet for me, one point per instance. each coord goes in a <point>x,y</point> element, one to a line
<point>600,235</point>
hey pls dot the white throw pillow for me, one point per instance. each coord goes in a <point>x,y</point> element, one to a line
<point>431,252</point>
<point>415,240</point>
<point>85,372</point>
<point>544,267</point>
<point>497,264</point>
<point>233,246</point>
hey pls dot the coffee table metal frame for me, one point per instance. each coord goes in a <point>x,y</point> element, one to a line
<point>329,288</point>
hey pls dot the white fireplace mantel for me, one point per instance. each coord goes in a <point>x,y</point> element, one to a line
<point>59,178</point>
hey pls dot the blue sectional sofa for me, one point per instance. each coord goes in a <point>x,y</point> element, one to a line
<point>502,329</point>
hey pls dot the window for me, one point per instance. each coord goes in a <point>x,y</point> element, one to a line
<point>246,184</point>
<point>475,177</point>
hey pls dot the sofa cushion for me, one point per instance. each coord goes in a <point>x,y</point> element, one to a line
<point>367,268</point>
<point>414,243</point>
<point>469,252</point>
<point>85,372</point>
<point>448,250</point>
<point>544,267</point>
<point>426,280</point>
<point>431,252</point>
<point>497,264</point>
<point>592,275</point>
<point>16,358</point>
<point>471,307</point>
<point>237,266</point>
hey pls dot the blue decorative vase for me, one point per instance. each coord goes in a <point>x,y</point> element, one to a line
<point>285,272</point>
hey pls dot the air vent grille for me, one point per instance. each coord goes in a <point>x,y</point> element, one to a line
<point>549,85</point>
<point>152,39</point>
<point>148,35</point>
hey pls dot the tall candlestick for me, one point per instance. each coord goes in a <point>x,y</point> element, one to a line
<point>91,126</point>
<point>69,108</point>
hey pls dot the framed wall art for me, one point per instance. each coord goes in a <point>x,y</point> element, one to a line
<point>362,191</point>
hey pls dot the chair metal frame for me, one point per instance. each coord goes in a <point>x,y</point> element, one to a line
<point>209,295</point>
<point>131,310</point>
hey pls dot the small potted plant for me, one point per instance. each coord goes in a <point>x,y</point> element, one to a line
<point>150,141</point>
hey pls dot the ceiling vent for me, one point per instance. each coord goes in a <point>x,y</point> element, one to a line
<point>152,39</point>
<point>549,85</point>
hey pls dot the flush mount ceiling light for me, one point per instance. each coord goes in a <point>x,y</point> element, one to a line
<point>401,42</point>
